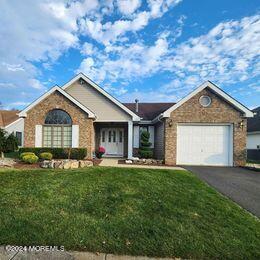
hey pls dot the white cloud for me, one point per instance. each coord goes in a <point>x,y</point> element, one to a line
<point>227,54</point>
<point>137,60</point>
<point>88,49</point>
<point>36,84</point>
<point>127,7</point>
<point>111,32</point>
<point>37,32</point>
<point>159,7</point>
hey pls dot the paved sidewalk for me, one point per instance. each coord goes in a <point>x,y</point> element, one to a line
<point>68,255</point>
<point>113,162</point>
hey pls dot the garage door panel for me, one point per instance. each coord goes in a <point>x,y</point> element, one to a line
<point>203,144</point>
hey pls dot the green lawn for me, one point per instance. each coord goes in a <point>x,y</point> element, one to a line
<point>124,211</point>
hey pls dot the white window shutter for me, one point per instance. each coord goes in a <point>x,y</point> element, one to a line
<point>136,136</point>
<point>38,136</point>
<point>151,131</point>
<point>75,136</point>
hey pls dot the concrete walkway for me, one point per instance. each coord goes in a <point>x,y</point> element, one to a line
<point>67,255</point>
<point>113,162</point>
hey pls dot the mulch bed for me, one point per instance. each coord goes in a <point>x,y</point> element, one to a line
<point>24,166</point>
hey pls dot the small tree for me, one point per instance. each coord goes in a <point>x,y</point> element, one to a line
<point>11,143</point>
<point>2,142</point>
<point>145,151</point>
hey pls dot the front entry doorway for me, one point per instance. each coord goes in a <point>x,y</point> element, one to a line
<point>113,141</point>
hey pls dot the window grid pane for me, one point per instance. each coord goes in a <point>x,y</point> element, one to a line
<point>57,136</point>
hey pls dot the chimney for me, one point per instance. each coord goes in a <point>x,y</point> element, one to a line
<point>136,105</point>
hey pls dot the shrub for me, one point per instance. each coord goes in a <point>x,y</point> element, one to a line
<point>46,156</point>
<point>26,153</point>
<point>99,153</point>
<point>2,141</point>
<point>145,151</point>
<point>58,153</point>
<point>30,158</point>
<point>11,143</point>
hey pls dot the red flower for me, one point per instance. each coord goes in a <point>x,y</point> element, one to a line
<point>101,149</point>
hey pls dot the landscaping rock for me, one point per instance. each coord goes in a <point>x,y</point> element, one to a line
<point>128,161</point>
<point>65,164</point>
<point>45,164</point>
<point>74,165</point>
<point>7,162</point>
<point>85,163</point>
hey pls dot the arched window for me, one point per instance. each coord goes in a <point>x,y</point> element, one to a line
<point>58,117</point>
<point>57,131</point>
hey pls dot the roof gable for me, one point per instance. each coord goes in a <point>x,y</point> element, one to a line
<point>7,117</point>
<point>23,113</point>
<point>216,90</point>
<point>103,92</point>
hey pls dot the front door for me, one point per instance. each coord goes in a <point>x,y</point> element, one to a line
<point>113,141</point>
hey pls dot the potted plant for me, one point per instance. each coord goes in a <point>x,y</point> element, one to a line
<point>99,153</point>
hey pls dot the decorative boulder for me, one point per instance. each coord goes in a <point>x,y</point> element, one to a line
<point>74,165</point>
<point>85,163</point>
<point>128,161</point>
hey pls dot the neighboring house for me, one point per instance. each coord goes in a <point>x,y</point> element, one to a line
<point>253,136</point>
<point>207,127</point>
<point>10,121</point>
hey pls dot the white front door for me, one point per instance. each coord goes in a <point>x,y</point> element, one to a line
<point>113,141</point>
<point>204,145</point>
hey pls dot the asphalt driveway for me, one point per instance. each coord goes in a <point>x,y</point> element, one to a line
<point>239,184</point>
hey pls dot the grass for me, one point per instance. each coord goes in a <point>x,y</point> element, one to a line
<point>125,211</point>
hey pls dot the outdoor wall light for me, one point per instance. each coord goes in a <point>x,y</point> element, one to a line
<point>170,122</point>
<point>241,124</point>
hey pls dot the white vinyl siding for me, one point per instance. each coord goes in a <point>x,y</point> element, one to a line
<point>253,141</point>
<point>103,108</point>
<point>136,136</point>
<point>204,145</point>
<point>17,127</point>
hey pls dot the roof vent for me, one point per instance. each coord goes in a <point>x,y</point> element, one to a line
<point>136,105</point>
<point>81,81</point>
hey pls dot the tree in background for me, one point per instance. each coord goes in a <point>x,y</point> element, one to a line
<point>2,142</point>
<point>8,143</point>
<point>11,143</point>
<point>145,151</point>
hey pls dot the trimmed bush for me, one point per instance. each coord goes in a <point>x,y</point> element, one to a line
<point>46,156</point>
<point>25,153</point>
<point>58,153</point>
<point>30,158</point>
<point>145,151</point>
<point>11,143</point>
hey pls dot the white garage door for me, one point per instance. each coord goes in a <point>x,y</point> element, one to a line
<point>204,145</point>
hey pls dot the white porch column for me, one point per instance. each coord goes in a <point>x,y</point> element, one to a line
<point>130,140</point>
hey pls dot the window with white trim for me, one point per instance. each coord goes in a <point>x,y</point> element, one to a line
<point>57,130</point>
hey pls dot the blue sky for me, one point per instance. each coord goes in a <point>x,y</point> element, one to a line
<point>152,50</point>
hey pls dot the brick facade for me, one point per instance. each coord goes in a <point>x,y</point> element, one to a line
<point>219,111</point>
<point>36,116</point>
